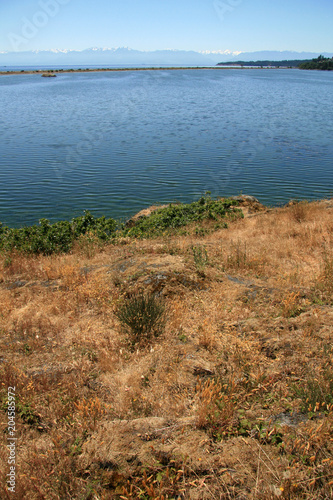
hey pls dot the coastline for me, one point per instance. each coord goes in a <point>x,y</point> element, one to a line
<point>96,70</point>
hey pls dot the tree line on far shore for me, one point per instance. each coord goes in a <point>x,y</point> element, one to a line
<point>292,63</point>
<point>321,62</point>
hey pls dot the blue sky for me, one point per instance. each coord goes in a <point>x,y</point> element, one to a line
<point>236,25</point>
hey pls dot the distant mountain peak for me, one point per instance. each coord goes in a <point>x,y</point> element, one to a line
<point>221,52</point>
<point>120,56</point>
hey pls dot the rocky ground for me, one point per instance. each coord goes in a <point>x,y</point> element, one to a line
<point>231,399</point>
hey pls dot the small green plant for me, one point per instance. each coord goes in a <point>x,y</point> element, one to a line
<point>268,434</point>
<point>244,426</point>
<point>8,261</point>
<point>220,225</point>
<point>182,338</point>
<point>27,349</point>
<point>27,414</point>
<point>143,316</point>
<point>90,354</point>
<point>201,231</point>
<point>76,447</point>
<point>200,257</point>
<point>316,393</point>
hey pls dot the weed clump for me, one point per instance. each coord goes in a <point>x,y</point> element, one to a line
<point>215,411</point>
<point>200,258</point>
<point>316,393</point>
<point>299,211</point>
<point>143,316</point>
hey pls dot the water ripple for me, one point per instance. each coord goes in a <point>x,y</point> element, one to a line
<point>114,143</point>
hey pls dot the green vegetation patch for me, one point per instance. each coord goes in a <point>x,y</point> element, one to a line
<point>46,238</point>
<point>174,217</point>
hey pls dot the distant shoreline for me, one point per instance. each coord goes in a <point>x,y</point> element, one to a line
<point>94,70</point>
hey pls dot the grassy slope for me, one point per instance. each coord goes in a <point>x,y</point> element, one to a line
<point>198,411</point>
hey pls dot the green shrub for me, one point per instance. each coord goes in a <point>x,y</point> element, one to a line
<point>47,238</point>
<point>59,237</point>
<point>174,217</point>
<point>27,414</point>
<point>143,316</point>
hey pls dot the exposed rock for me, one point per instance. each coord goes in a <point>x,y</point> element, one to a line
<point>244,197</point>
<point>153,264</point>
<point>289,419</point>
<point>16,284</point>
<point>249,203</point>
<point>146,212</point>
<point>127,444</point>
<point>199,366</point>
<point>203,371</point>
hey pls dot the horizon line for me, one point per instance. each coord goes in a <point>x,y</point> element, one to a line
<point>203,52</point>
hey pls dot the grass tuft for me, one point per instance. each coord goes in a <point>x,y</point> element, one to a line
<point>143,315</point>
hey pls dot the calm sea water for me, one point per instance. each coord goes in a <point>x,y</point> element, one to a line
<point>114,143</point>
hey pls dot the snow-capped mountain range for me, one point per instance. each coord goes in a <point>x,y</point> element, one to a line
<point>124,55</point>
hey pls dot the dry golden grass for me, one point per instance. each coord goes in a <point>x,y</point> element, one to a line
<point>233,400</point>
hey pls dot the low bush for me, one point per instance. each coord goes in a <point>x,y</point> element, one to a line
<point>59,237</point>
<point>175,217</point>
<point>143,316</point>
<point>200,257</point>
<point>299,211</point>
<point>215,410</point>
<point>47,238</point>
